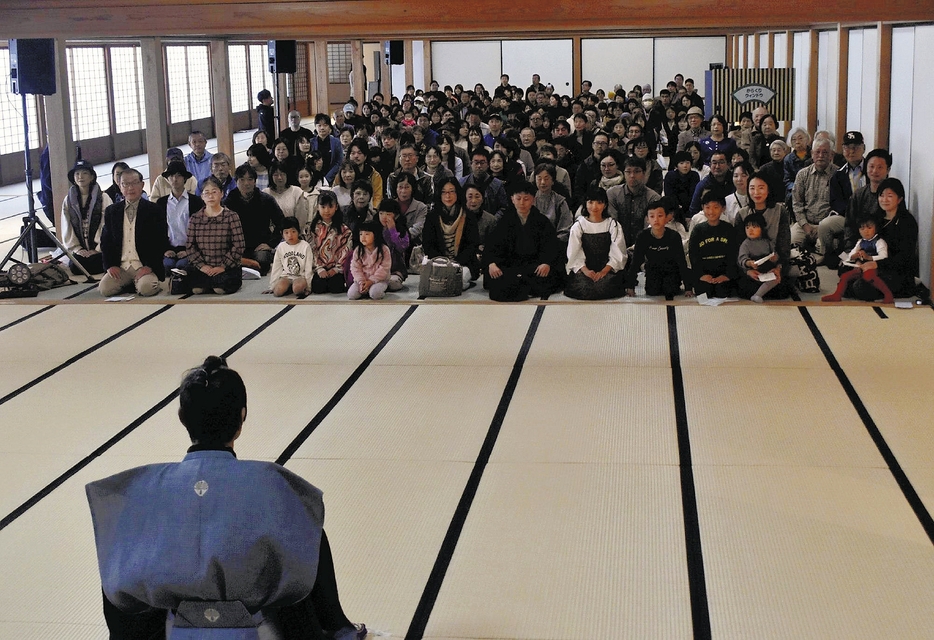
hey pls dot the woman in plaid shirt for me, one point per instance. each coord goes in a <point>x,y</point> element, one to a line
<point>215,244</point>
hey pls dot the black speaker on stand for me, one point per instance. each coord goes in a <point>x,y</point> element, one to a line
<point>32,71</point>
<point>281,60</point>
<point>395,52</point>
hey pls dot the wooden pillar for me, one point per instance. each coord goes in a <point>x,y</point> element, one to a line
<point>728,58</point>
<point>220,90</point>
<point>813,80</point>
<point>157,116</point>
<point>771,54</point>
<point>358,89</point>
<point>757,51</point>
<point>843,63</point>
<point>577,72</point>
<point>429,76</point>
<point>60,134</point>
<point>409,66</point>
<point>884,98</point>
<point>323,104</point>
<point>283,106</point>
<point>385,85</point>
<point>736,59</point>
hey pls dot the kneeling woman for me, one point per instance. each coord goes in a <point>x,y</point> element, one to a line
<point>215,244</point>
<point>451,230</point>
<point>596,253</point>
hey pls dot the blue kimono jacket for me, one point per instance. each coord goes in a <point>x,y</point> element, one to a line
<point>244,535</point>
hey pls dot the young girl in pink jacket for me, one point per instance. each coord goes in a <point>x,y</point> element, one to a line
<point>371,262</point>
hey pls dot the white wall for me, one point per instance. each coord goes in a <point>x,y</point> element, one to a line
<point>467,63</point>
<point>418,64</point>
<point>607,62</point>
<point>781,51</point>
<point>689,56</point>
<point>921,178</point>
<point>552,60</point>
<point>902,97</point>
<point>802,67</point>
<point>863,84</point>
<point>764,51</point>
<point>828,73</point>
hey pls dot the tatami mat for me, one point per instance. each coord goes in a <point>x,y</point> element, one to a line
<point>763,417</point>
<point>888,362</point>
<point>569,551</point>
<point>576,531</point>
<point>337,334</point>
<point>12,312</point>
<point>424,413</point>
<point>478,335</point>
<point>589,415</point>
<point>741,336</point>
<point>626,335</point>
<point>63,331</point>
<point>812,553</point>
<point>50,551</point>
<point>77,410</point>
<point>385,521</point>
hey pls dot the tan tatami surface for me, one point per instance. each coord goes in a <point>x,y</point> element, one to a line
<point>557,471</point>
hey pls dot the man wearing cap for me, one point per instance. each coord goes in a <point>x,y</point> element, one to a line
<point>178,207</point>
<point>161,186</point>
<point>83,216</point>
<point>850,176</point>
<point>294,130</point>
<point>198,162</point>
<point>133,242</point>
<point>695,130</point>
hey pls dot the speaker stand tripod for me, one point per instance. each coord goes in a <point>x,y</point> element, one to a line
<point>27,239</point>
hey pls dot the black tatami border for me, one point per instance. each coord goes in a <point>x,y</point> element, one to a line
<point>426,603</point>
<point>697,583</point>
<point>901,478</point>
<point>26,317</point>
<point>61,479</point>
<point>70,361</point>
<point>319,417</point>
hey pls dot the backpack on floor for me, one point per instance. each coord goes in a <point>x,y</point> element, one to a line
<point>49,275</point>
<point>808,280</point>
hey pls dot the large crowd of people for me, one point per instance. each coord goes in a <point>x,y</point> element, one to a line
<point>530,191</point>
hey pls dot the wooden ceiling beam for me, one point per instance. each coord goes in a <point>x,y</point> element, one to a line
<point>400,19</point>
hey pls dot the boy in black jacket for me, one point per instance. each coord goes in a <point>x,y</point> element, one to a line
<point>661,250</point>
